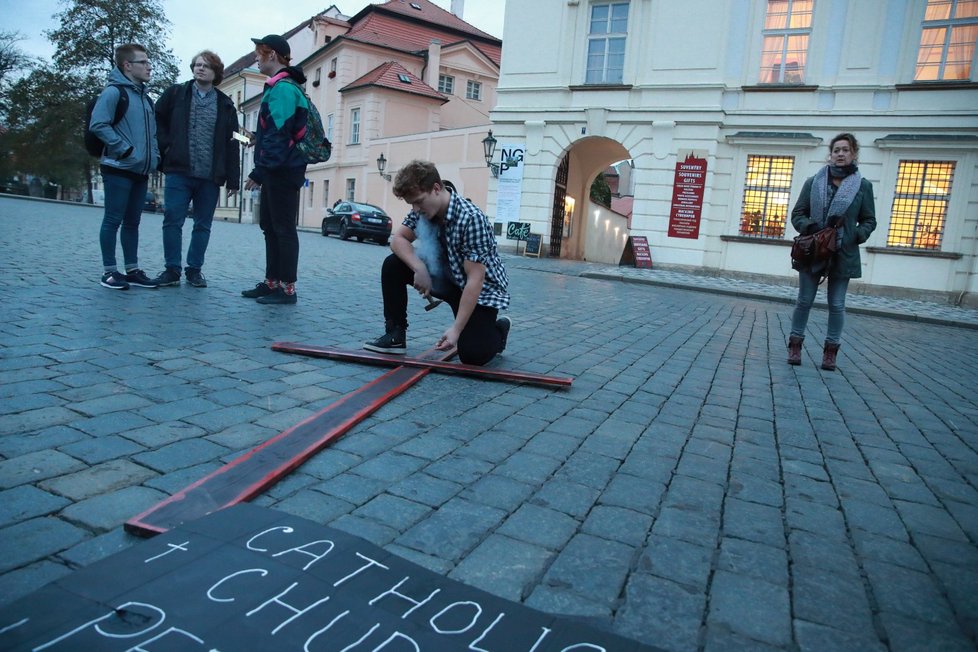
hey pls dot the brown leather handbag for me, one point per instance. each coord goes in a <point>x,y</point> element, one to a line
<point>808,250</point>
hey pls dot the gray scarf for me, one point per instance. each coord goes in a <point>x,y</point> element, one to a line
<point>819,206</point>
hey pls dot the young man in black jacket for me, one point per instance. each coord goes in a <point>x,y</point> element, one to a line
<point>195,124</point>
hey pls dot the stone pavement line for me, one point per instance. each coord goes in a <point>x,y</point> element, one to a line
<point>476,371</point>
<point>254,472</point>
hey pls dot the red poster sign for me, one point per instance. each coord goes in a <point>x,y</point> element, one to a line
<point>687,198</point>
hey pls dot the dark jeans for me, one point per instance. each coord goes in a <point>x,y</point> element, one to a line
<point>180,191</point>
<point>125,195</point>
<point>478,342</point>
<point>278,213</point>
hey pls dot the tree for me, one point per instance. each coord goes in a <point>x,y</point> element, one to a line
<point>13,61</point>
<point>90,31</point>
<point>45,124</point>
<point>601,191</point>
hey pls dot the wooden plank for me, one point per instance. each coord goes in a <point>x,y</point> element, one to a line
<point>252,473</point>
<point>386,359</point>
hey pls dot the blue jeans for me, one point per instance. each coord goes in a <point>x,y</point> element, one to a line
<point>807,287</point>
<point>179,192</point>
<point>125,196</point>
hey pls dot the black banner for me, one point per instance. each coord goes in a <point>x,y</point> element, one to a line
<point>250,578</point>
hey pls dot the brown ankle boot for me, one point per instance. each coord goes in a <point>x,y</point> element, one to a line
<point>828,356</point>
<point>794,349</point>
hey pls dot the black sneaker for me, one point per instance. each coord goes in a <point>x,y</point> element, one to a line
<point>504,324</point>
<point>138,278</point>
<point>259,290</point>
<point>393,341</point>
<point>114,281</point>
<point>167,278</point>
<point>195,278</point>
<point>278,296</point>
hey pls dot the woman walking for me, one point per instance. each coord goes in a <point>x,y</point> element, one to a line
<point>836,196</point>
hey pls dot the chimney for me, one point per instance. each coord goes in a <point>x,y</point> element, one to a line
<point>458,7</point>
<point>434,63</point>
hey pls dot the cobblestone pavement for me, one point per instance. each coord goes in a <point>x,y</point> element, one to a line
<point>691,490</point>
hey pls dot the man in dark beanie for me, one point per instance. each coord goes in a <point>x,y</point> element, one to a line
<point>280,169</point>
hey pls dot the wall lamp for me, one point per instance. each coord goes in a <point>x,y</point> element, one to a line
<point>381,166</point>
<point>489,149</point>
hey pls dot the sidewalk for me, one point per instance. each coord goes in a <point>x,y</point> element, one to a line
<point>922,311</point>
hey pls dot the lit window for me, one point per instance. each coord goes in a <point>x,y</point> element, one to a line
<point>947,41</point>
<point>473,90</point>
<point>351,189</point>
<point>606,43</point>
<point>767,189</point>
<point>446,84</point>
<point>784,51</point>
<point>923,190</point>
<point>355,127</point>
<point>325,194</point>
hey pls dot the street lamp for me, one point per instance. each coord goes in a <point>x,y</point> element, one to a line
<point>489,148</point>
<point>381,166</point>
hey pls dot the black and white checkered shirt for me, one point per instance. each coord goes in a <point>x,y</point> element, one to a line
<point>467,235</point>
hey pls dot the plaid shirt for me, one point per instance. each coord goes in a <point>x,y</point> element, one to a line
<point>467,235</point>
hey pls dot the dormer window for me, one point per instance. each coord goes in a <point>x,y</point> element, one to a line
<point>415,5</point>
<point>404,78</point>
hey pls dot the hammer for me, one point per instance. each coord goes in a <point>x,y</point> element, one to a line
<point>432,302</point>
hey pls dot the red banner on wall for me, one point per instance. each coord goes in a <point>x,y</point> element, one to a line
<point>687,198</point>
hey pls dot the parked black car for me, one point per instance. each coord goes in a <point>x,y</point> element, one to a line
<point>353,219</point>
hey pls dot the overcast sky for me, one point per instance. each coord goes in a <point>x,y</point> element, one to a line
<point>221,25</point>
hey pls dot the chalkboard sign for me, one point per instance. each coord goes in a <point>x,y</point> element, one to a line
<point>517,230</point>
<point>636,252</point>
<point>532,245</point>
<point>251,578</point>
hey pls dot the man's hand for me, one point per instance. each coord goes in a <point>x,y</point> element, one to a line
<point>422,281</point>
<point>448,339</point>
<point>232,193</point>
<point>251,184</point>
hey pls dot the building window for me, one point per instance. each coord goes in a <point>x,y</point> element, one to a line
<point>355,127</point>
<point>784,52</point>
<point>318,77</point>
<point>311,193</point>
<point>947,41</point>
<point>473,90</point>
<point>329,127</point>
<point>351,189</point>
<point>446,84</point>
<point>606,43</point>
<point>332,66</point>
<point>767,189</point>
<point>923,190</point>
<point>325,194</point>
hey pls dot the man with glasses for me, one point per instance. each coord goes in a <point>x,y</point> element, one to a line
<point>195,123</point>
<point>130,154</point>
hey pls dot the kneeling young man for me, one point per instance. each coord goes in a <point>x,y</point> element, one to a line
<point>444,248</point>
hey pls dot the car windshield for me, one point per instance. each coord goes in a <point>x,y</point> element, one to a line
<point>365,208</point>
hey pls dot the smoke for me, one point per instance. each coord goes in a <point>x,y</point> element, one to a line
<point>429,250</point>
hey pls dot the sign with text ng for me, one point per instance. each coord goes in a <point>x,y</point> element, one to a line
<point>687,197</point>
<point>250,578</point>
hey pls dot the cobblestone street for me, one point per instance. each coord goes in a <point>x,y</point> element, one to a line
<point>691,490</point>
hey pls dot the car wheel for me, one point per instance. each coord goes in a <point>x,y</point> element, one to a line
<point>359,238</point>
<point>325,230</point>
<point>383,242</point>
<point>344,231</point>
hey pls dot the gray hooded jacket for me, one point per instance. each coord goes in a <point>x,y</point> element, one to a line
<point>137,129</point>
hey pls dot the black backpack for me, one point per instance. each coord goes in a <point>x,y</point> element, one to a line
<point>93,144</point>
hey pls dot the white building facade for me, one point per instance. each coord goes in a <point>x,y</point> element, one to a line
<point>752,92</point>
